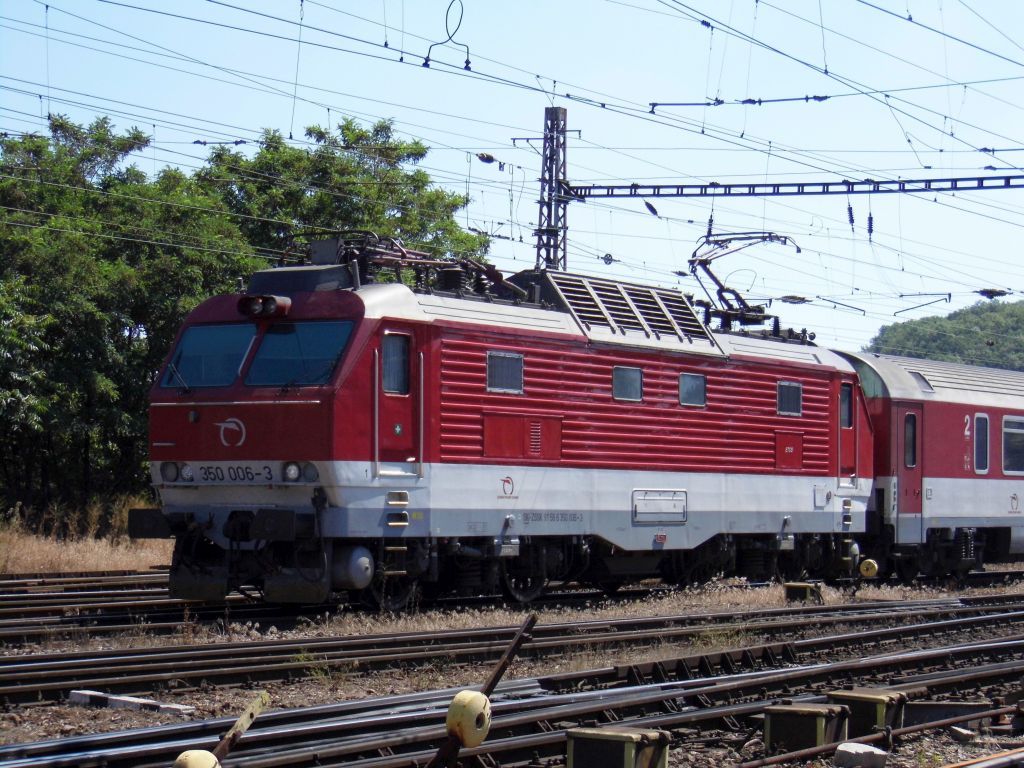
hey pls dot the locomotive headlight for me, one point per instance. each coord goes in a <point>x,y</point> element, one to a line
<point>310,473</point>
<point>169,471</point>
<point>186,473</point>
<point>292,471</point>
<point>264,306</point>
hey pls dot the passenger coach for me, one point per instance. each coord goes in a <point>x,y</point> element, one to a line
<point>949,457</point>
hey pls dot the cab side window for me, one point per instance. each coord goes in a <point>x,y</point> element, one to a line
<point>395,353</point>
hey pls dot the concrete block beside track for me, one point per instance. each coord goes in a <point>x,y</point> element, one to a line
<point>100,699</point>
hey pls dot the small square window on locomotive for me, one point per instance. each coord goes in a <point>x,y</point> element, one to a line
<point>790,398</point>
<point>627,384</point>
<point>846,405</point>
<point>395,371</point>
<point>693,389</point>
<point>505,372</point>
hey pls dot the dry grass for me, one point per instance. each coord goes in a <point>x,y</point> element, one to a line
<point>70,543</point>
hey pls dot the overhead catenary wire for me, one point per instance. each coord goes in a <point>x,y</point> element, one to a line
<point>773,203</point>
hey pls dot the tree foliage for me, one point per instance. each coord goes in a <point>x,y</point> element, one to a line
<point>356,178</point>
<point>988,334</point>
<point>100,263</point>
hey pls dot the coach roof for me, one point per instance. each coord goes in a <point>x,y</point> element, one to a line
<point>907,378</point>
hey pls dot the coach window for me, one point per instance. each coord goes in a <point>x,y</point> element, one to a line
<point>980,443</point>
<point>1013,445</point>
<point>790,398</point>
<point>627,383</point>
<point>846,405</point>
<point>395,351</point>
<point>910,440</point>
<point>693,389</point>
<point>505,372</point>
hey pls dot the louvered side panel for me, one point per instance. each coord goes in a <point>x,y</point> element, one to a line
<point>616,306</point>
<point>683,314</point>
<point>646,303</point>
<point>580,300</point>
<point>735,432</point>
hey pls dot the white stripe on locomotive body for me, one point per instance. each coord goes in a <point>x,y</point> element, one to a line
<point>466,500</point>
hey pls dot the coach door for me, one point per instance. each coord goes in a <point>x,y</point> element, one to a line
<point>398,394</point>
<point>908,430</point>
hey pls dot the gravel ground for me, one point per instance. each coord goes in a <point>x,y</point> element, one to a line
<point>22,724</point>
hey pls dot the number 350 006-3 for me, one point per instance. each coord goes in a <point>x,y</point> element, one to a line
<point>236,473</point>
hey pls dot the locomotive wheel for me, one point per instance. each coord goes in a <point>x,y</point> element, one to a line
<point>521,585</point>
<point>907,569</point>
<point>391,595</point>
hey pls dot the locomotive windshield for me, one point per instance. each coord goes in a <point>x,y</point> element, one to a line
<point>209,356</point>
<point>293,354</point>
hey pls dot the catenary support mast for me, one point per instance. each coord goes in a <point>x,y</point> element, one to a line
<point>551,221</point>
<point>556,192</point>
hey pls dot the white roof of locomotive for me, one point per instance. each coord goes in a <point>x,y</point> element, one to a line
<point>398,301</point>
<point>779,351</point>
<point>907,378</point>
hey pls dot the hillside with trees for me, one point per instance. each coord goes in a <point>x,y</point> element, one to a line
<point>99,264</point>
<point>988,333</point>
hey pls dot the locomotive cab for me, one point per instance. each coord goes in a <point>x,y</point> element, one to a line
<point>243,421</point>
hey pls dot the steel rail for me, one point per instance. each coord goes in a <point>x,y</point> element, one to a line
<point>524,721</point>
<point>30,678</point>
<point>168,613</point>
<point>676,708</point>
<point>53,614</point>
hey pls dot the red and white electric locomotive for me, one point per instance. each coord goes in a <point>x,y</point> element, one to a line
<point>327,431</point>
<point>324,432</point>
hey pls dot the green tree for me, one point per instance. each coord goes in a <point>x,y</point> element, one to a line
<point>354,178</point>
<point>987,333</point>
<point>98,265</point>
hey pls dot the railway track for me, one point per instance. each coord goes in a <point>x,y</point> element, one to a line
<point>35,607</point>
<point>716,690</point>
<point>38,678</point>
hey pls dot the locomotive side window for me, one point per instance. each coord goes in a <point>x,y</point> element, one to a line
<point>209,356</point>
<point>292,354</point>
<point>910,440</point>
<point>395,354</point>
<point>505,372</point>
<point>980,443</point>
<point>627,384</point>
<point>693,389</point>
<point>790,398</point>
<point>1013,445</point>
<point>846,405</point>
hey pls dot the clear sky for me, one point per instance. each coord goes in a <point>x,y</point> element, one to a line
<point>917,89</point>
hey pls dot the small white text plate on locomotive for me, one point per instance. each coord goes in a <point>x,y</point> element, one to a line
<point>659,505</point>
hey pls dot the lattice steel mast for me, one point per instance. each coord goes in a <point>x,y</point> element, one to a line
<point>556,192</point>
<point>551,221</point>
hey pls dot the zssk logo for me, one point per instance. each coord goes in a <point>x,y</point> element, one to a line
<point>232,432</point>
<point>508,488</point>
